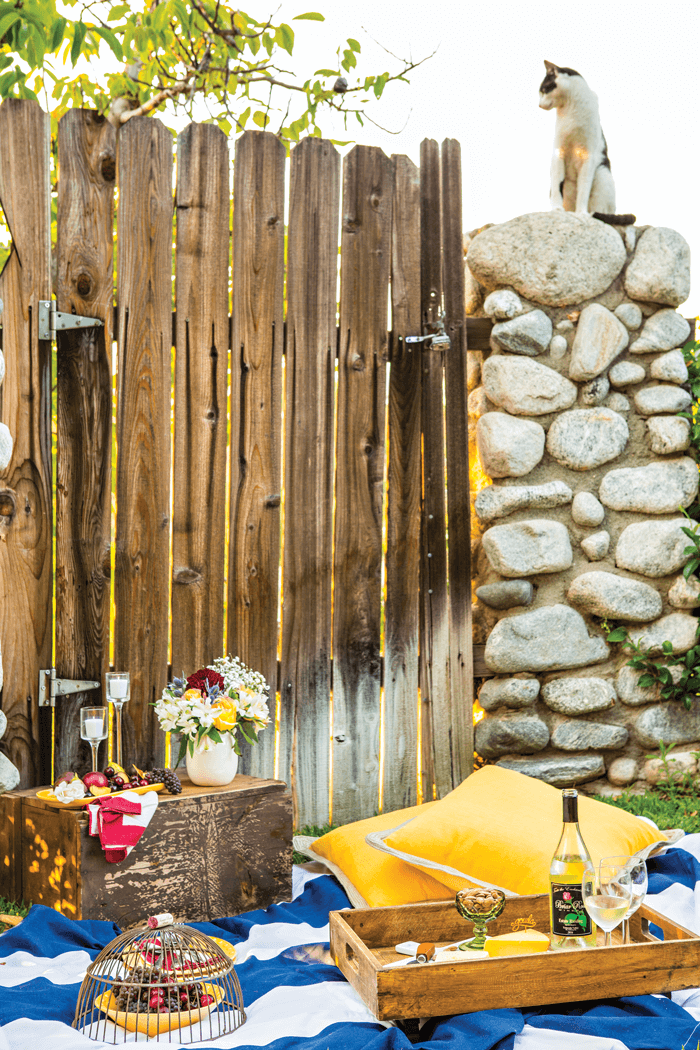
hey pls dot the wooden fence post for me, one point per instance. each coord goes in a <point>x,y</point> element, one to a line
<point>201,364</point>
<point>144,295</point>
<point>308,534</point>
<point>25,489</point>
<point>365,267</point>
<point>256,413</point>
<point>87,167</point>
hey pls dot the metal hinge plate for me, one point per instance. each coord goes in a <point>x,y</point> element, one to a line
<point>52,320</point>
<point>59,687</point>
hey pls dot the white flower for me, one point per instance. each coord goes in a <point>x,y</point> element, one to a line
<point>69,792</point>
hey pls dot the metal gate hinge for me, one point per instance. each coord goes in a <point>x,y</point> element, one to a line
<point>52,320</point>
<point>60,687</point>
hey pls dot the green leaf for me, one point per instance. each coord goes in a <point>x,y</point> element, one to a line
<point>8,20</point>
<point>111,39</point>
<point>285,37</point>
<point>646,681</point>
<point>618,635</point>
<point>260,118</point>
<point>326,72</point>
<point>117,12</point>
<point>309,16</point>
<point>183,749</point>
<point>56,34</point>
<point>354,44</point>
<point>78,38</point>
<point>667,647</point>
<point>215,735</point>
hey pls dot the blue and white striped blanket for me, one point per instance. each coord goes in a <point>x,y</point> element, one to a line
<point>295,999</point>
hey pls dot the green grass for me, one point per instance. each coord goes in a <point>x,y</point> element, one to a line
<point>311,829</point>
<point>668,806</point>
<point>12,908</point>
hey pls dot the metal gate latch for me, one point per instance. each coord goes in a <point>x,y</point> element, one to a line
<point>60,686</point>
<point>439,339</point>
<point>52,320</point>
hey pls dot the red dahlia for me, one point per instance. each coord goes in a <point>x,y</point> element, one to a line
<point>205,675</point>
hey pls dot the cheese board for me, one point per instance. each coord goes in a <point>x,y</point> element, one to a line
<point>46,795</point>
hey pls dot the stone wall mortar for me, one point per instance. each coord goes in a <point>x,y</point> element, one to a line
<point>601,445</point>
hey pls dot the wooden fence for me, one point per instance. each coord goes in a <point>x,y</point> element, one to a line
<point>345,447</point>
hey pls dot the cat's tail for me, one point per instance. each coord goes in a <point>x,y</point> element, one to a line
<point>615,220</point>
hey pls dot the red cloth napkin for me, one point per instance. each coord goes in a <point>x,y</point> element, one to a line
<point>120,822</point>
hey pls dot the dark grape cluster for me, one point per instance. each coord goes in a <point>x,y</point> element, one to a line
<point>120,780</point>
<point>168,777</point>
<point>168,997</point>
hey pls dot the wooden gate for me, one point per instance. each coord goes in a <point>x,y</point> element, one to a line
<point>283,462</point>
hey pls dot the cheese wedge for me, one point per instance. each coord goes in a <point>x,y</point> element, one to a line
<point>523,943</point>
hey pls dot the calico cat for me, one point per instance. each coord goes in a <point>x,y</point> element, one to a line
<point>581,177</point>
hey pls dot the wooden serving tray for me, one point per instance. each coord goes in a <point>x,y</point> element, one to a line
<point>46,795</point>
<point>362,942</point>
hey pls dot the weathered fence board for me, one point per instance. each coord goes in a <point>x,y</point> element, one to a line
<point>87,168</point>
<point>26,488</point>
<point>364,280</point>
<point>144,295</point>
<point>201,361</point>
<point>308,527</point>
<point>256,410</point>
<point>459,715</point>
<point>434,666</point>
<point>402,609</point>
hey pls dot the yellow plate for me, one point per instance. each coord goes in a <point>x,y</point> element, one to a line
<point>47,796</point>
<point>152,1024</point>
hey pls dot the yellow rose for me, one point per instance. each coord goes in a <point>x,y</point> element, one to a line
<point>229,713</point>
<point>192,694</point>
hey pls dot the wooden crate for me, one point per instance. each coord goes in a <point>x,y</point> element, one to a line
<point>206,853</point>
<point>362,942</point>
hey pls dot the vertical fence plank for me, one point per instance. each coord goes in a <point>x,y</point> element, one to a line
<point>435,728</point>
<point>402,613</point>
<point>144,295</point>
<point>457,441</point>
<point>201,362</point>
<point>308,540</point>
<point>87,167</point>
<point>256,388</point>
<point>25,488</point>
<point>365,263</point>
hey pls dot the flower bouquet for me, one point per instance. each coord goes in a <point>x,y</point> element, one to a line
<point>224,698</point>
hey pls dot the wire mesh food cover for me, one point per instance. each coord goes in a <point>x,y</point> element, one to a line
<point>163,981</point>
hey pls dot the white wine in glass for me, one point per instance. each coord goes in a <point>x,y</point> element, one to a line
<point>640,882</point>
<point>607,894</point>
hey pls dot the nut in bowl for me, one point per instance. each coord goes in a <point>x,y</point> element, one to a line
<point>479,906</point>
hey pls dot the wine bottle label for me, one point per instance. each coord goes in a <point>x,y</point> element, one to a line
<point>569,917</point>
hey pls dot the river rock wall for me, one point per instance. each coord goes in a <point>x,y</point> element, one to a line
<point>575,414</point>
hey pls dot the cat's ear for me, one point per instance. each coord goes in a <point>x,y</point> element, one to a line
<point>550,67</point>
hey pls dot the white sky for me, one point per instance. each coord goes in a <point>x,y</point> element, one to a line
<point>482,87</point>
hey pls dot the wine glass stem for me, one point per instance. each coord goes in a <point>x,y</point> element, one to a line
<point>94,745</point>
<point>118,732</point>
<point>626,931</point>
<point>607,941</point>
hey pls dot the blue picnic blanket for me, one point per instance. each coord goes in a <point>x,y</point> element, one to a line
<point>295,998</point>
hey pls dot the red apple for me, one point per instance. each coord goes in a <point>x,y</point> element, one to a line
<point>96,779</point>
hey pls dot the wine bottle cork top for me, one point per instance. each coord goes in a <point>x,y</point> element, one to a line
<point>156,921</point>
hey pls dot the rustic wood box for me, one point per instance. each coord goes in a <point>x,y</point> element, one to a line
<point>362,942</point>
<point>206,853</point>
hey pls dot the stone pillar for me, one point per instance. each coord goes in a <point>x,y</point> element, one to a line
<point>577,426</point>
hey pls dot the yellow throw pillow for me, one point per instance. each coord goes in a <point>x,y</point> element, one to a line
<point>500,828</point>
<point>368,876</point>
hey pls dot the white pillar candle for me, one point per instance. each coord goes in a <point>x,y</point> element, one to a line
<point>118,688</point>
<point>94,727</point>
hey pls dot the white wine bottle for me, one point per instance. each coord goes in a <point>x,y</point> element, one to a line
<point>570,924</point>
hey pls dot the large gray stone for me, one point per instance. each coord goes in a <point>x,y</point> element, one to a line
<point>585,736</point>
<point>9,774</point>
<point>526,548</point>
<point>651,400</point>
<point>554,257</point>
<point>586,509</point>
<point>618,402</point>
<point>478,404</point>
<point>508,692</point>
<point>500,734</point>
<point>506,594</point>
<point>675,767</point>
<point>629,314</point>
<point>558,770</point>
<point>622,771</point>
<point>584,438</point>
<point>529,334</point>
<point>660,269</point>
<point>498,501</point>
<point>653,548</point>
<point>658,488</point>
<point>630,691</point>
<point>545,639</point>
<point>626,373</point>
<point>670,367</point>
<point>671,723</point>
<point>683,594</point>
<point>508,446</point>
<point>524,387</point>
<point>680,629</point>
<point>606,594</point>
<point>668,434</point>
<point>664,330</point>
<point>600,338</point>
<point>6,446</point>
<point>503,305</point>
<point>579,696</point>
<point>597,545</point>
<point>595,391</point>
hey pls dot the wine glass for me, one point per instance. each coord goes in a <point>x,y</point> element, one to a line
<point>93,728</point>
<point>607,893</point>
<point>640,882</point>
<point>118,690</point>
<point>479,906</point>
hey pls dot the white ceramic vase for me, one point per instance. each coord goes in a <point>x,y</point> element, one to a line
<point>212,765</point>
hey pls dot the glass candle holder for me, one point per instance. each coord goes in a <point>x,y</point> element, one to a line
<point>93,728</point>
<point>118,692</point>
